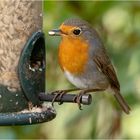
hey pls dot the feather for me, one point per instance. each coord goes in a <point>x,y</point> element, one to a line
<point>104,64</point>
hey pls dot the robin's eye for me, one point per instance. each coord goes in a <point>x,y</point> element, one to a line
<point>77,31</point>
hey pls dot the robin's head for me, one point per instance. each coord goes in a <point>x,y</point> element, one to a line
<point>74,48</point>
<point>79,40</point>
<point>73,27</point>
<point>77,32</point>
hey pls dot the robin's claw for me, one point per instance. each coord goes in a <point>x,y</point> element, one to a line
<point>61,96</point>
<point>80,107</point>
<point>54,98</point>
<point>59,93</point>
<point>77,99</point>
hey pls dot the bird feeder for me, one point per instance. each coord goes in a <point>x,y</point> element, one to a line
<point>22,64</point>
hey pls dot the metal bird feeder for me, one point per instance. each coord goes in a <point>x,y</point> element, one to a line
<point>22,64</point>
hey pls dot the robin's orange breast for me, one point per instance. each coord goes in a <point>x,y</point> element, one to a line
<point>73,54</point>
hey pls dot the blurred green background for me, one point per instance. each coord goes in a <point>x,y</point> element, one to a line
<point>118,24</point>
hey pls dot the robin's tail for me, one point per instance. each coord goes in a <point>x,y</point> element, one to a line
<point>122,102</point>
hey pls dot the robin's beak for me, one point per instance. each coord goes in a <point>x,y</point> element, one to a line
<point>55,32</point>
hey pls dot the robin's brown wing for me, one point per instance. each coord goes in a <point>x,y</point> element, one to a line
<point>104,65</point>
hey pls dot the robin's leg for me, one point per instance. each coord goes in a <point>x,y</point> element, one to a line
<point>60,93</point>
<point>77,98</point>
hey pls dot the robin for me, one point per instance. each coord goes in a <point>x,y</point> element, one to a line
<point>84,60</point>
